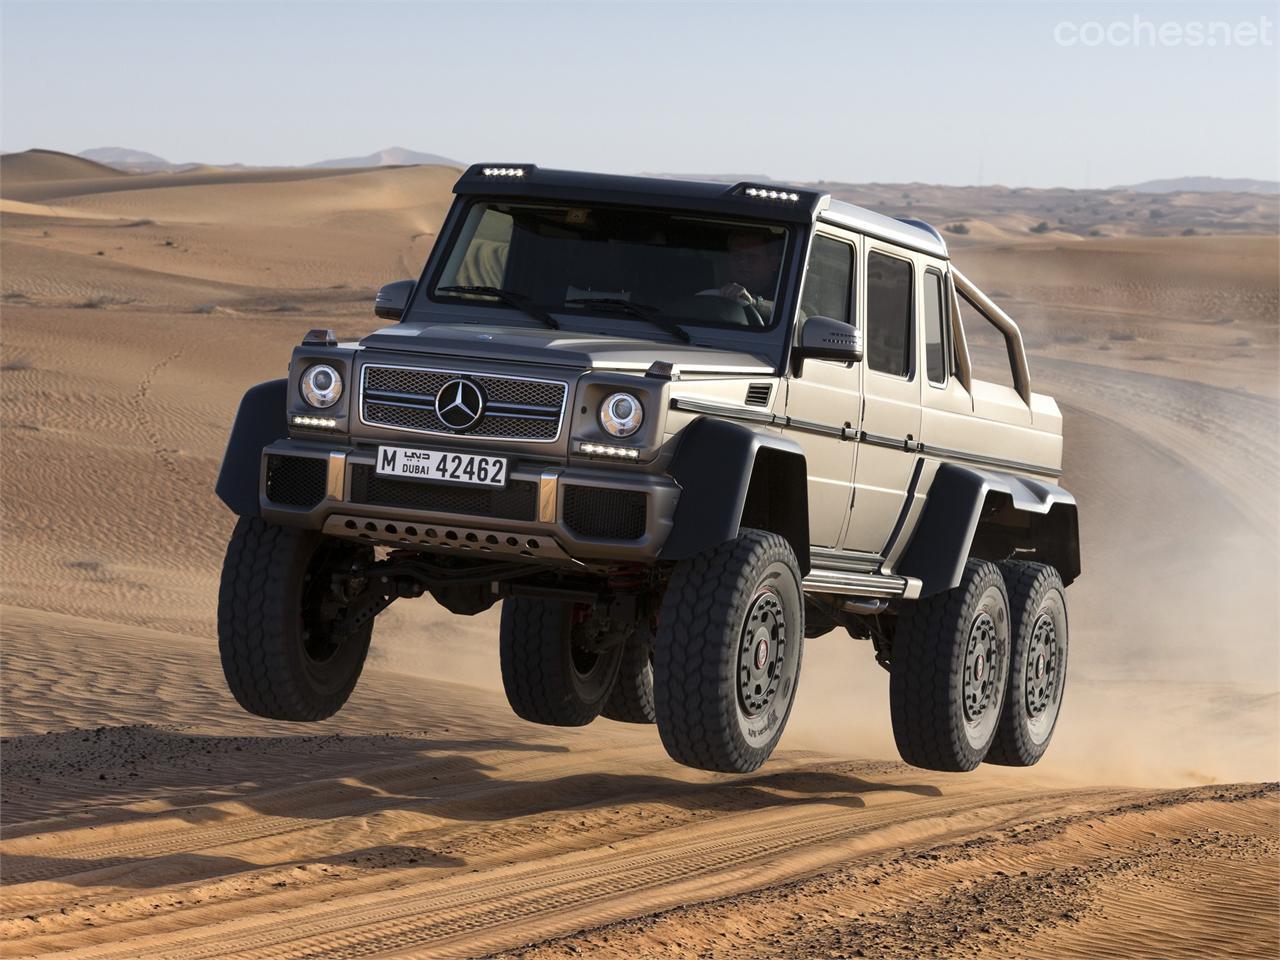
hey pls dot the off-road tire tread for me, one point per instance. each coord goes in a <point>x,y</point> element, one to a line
<point>695,693</point>
<point>529,648</point>
<point>928,656</point>
<point>631,700</point>
<point>1023,579</point>
<point>251,625</point>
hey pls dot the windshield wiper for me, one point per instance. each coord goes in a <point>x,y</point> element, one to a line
<point>510,298</point>
<point>639,310</point>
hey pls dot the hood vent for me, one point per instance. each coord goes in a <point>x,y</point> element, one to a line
<point>758,394</point>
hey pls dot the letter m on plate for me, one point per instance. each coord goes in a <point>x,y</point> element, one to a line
<point>388,459</point>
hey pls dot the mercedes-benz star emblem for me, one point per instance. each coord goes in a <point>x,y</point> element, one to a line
<point>460,404</point>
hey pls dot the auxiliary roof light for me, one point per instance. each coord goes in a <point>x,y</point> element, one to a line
<point>763,193</point>
<point>503,171</point>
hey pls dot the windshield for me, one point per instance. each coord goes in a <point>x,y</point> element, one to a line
<point>673,268</point>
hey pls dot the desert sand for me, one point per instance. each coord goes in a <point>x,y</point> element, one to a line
<point>145,815</point>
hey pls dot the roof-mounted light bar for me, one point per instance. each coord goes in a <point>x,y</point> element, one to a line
<point>764,193</point>
<point>503,171</point>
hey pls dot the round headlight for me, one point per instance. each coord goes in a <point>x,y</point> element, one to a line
<point>621,414</point>
<point>321,385</point>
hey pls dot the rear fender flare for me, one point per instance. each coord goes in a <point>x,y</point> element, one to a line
<point>971,511</point>
<point>727,470</point>
<point>261,420</point>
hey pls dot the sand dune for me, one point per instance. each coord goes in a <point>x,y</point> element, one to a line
<point>47,166</point>
<point>144,814</point>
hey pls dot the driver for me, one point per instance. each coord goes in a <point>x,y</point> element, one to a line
<point>752,269</point>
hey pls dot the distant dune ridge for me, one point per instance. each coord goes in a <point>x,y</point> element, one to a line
<point>140,161</point>
<point>390,157</point>
<point>147,816</point>
<point>1205,185</point>
<point>964,214</point>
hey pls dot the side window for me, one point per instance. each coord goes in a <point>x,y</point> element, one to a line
<point>828,283</point>
<point>889,314</point>
<point>935,328</point>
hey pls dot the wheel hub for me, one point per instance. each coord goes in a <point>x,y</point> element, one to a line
<point>760,653</point>
<point>1042,667</point>
<point>981,655</point>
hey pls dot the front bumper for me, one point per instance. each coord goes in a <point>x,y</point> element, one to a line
<point>547,513</point>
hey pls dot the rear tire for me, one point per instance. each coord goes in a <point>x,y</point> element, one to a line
<point>1038,666</point>
<point>727,653</point>
<point>548,678</point>
<point>949,672</point>
<point>632,698</point>
<point>282,653</point>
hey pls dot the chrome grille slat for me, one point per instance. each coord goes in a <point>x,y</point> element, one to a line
<point>523,409</point>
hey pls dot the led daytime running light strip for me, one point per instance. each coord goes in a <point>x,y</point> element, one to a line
<point>503,172</point>
<point>301,421</point>
<point>603,450</point>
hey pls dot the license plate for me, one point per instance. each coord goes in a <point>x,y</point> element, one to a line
<point>441,466</point>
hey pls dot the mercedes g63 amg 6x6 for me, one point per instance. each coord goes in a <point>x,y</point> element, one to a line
<point>674,428</point>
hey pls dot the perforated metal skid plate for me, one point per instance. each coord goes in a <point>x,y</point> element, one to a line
<point>445,538</point>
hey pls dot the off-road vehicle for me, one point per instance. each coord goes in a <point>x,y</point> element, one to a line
<point>675,428</point>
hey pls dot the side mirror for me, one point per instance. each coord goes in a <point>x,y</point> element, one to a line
<point>822,338</point>
<point>392,299</point>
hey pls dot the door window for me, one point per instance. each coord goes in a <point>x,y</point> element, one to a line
<point>935,328</point>
<point>828,283</point>
<point>889,314</point>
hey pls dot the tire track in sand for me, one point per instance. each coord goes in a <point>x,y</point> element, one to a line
<point>476,913</point>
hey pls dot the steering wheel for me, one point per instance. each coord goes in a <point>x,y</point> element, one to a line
<point>754,318</point>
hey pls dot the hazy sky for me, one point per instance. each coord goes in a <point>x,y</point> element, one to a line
<point>956,92</point>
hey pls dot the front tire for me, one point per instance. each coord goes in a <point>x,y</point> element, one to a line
<point>949,672</point>
<point>284,653</point>
<point>548,677</point>
<point>727,653</point>
<point>1038,667</point>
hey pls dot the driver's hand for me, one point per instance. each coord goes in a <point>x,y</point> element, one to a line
<point>737,292</point>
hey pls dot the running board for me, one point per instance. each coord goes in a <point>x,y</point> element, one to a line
<point>846,583</point>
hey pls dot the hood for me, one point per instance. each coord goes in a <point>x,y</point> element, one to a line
<point>565,348</point>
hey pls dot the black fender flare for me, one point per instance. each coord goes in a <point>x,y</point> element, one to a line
<point>1044,515</point>
<point>716,467</point>
<point>261,419</point>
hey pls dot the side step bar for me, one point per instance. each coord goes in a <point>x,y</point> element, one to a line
<point>846,583</point>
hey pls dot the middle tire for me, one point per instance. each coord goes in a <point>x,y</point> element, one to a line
<point>949,671</point>
<point>632,698</point>
<point>727,653</point>
<point>548,677</point>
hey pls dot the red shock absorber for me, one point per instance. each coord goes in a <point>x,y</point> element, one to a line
<point>629,579</point>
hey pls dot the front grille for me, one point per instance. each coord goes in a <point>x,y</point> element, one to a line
<point>517,501</point>
<point>296,481</point>
<point>403,398</point>
<point>607,514</point>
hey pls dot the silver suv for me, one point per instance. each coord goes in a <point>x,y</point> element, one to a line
<point>675,428</point>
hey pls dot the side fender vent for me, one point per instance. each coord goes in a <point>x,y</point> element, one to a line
<point>758,394</point>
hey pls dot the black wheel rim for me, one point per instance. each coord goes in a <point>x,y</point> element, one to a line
<point>1042,673</point>
<point>982,669</point>
<point>761,653</point>
<point>324,602</point>
<point>584,661</point>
